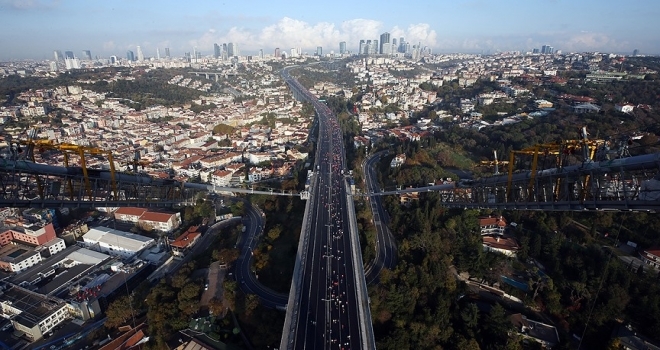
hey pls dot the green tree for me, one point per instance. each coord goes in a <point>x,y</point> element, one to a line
<point>119,312</point>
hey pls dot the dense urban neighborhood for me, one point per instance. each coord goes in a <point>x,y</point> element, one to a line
<point>129,277</point>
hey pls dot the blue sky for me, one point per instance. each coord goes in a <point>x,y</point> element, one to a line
<point>34,28</point>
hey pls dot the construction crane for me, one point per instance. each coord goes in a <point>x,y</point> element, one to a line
<point>67,150</point>
<point>494,163</point>
<point>136,162</point>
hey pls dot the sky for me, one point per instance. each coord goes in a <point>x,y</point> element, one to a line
<point>34,28</point>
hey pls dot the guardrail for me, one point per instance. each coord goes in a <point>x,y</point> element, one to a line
<point>364,310</point>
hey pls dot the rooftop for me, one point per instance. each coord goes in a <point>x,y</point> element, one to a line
<point>35,307</point>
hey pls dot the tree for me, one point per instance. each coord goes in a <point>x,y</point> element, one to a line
<point>251,303</point>
<point>274,233</point>
<point>119,312</point>
<point>470,316</point>
<point>497,325</point>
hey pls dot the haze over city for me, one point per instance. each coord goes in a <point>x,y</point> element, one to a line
<point>38,27</point>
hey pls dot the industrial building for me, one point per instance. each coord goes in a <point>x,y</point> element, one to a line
<point>115,242</point>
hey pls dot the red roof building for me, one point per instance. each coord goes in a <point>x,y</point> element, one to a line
<point>492,225</point>
<point>184,242</point>
<point>651,257</point>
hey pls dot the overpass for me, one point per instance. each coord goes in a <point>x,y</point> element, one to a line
<point>215,75</point>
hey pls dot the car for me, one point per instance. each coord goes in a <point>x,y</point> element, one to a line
<point>206,286</point>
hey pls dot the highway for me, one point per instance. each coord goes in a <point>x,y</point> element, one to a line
<point>386,251</point>
<point>247,280</point>
<point>328,314</point>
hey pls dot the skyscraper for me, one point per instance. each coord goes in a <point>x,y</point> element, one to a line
<point>58,55</point>
<point>277,52</point>
<point>635,52</point>
<point>157,53</point>
<point>319,51</point>
<point>140,55</point>
<point>261,54</point>
<point>361,48</point>
<point>374,48</point>
<point>68,54</point>
<point>216,51</point>
<point>167,52</point>
<point>231,50</point>
<point>384,43</point>
<point>113,59</point>
<point>87,55</point>
<point>130,56</point>
<point>342,47</point>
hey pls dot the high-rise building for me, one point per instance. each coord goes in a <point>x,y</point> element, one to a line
<point>140,55</point>
<point>374,48</point>
<point>167,52</point>
<point>402,45</point>
<point>58,55</point>
<point>68,54</point>
<point>157,53</point>
<point>394,42</point>
<point>216,51</point>
<point>232,50</point>
<point>635,52</point>
<point>342,47</point>
<point>130,56</point>
<point>113,59</point>
<point>261,54</point>
<point>87,55</point>
<point>294,52</point>
<point>384,41</point>
<point>277,52</point>
<point>72,63</point>
<point>319,51</point>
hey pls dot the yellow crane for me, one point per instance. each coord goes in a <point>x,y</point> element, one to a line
<point>67,150</point>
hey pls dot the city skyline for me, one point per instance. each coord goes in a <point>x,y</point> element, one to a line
<point>473,26</point>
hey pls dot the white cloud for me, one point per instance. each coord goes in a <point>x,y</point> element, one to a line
<point>109,46</point>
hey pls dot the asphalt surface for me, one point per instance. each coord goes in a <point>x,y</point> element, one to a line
<point>386,251</point>
<point>328,316</point>
<point>247,280</point>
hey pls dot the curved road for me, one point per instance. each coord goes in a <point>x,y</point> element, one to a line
<point>386,251</point>
<point>254,226</point>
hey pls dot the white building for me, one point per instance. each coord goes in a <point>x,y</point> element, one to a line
<point>115,242</point>
<point>32,314</point>
<point>398,160</point>
<point>55,246</point>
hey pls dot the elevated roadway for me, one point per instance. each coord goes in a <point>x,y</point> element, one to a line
<point>328,303</point>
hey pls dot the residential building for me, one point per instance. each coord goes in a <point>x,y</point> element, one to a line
<point>185,242</point>
<point>542,333</point>
<point>32,314</point>
<point>16,258</point>
<point>585,108</point>
<point>398,160</point>
<point>629,339</point>
<point>499,244</point>
<point>492,225</point>
<point>129,214</point>
<point>624,108</point>
<point>163,222</point>
<point>651,257</point>
<point>33,234</point>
